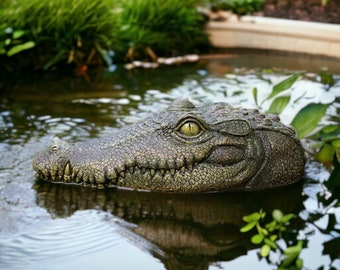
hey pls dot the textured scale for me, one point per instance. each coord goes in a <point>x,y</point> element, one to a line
<point>183,149</point>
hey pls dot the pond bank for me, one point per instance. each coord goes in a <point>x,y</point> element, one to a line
<point>231,31</point>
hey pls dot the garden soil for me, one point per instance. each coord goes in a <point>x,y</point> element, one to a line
<point>303,10</point>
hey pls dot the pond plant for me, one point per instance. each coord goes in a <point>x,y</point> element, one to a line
<point>78,33</point>
<point>268,234</point>
<point>239,7</point>
<point>271,234</point>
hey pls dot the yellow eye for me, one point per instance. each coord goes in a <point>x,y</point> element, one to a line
<point>190,129</point>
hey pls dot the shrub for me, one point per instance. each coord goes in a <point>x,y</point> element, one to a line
<point>82,32</point>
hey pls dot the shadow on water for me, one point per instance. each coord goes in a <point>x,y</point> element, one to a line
<point>185,231</point>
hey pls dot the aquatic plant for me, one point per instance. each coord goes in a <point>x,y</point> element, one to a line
<point>307,120</point>
<point>84,32</point>
<point>65,31</point>
<point>239,7</point>
<point>268,236</point>
<point>151,28</point>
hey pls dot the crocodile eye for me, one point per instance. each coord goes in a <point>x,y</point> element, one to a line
<point>54,148</point>
<point>190,129</point>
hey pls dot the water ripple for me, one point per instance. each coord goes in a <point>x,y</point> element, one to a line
<point>86,232</point>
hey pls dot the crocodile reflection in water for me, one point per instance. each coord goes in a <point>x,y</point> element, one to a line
<point>192,231</point>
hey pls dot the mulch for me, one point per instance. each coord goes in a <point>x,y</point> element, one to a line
<point>303,10</point>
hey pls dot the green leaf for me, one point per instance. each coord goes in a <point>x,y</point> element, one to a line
<point>287,217</point>
<point>294,249</point>
<point>257,239</point>
<point>283,85</point>
<point>18,34</point>
<point>252,217</point>
<point>265,249</point>
<point>19,48</point>
<point>336,143</point>
<point>271,226</point>
<point>273,237</point>
<point>55,59</point>
<point>279,104</point>
<point>337,153</point>
<point>255,96</point>
<point>261,230</point>
<point>326,78</point>
<point>286,262</point>
<point>308,118</point>
<point>248,227</point>
<point>299,263</point>
<point>277,215</point>
<point>326,154</point>
<point>270,243</point>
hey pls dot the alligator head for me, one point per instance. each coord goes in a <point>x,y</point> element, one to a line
<point>183,149</point>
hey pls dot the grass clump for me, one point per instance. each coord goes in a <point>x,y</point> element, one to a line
<point>63,31</point>
<point>46,34</point>
<point>239,7</point>
<point>167,28</point>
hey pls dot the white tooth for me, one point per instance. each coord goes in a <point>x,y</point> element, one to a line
<point>67,171</point>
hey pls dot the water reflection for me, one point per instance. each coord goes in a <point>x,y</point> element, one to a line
<point>183,231</point>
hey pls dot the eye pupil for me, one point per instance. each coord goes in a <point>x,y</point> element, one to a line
<point>190,129</point>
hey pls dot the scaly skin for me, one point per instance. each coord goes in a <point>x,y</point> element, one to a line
<point>183,149</point>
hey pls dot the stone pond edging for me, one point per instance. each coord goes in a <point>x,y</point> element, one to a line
<point>255,32</point>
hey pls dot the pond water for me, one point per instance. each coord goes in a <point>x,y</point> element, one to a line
<point>53,226</point>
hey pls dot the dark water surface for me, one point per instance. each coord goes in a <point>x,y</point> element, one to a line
<point>51,226</point>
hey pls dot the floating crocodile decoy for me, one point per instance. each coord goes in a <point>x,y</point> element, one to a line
<point>183,149</point>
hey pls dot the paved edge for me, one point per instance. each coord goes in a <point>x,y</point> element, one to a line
<point>275,34</point>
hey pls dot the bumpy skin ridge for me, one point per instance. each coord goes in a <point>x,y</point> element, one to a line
<point>183,149</point>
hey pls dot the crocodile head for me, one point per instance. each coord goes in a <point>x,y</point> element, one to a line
<point>183,149</point>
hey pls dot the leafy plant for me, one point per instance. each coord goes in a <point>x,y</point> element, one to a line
<point>64,31</point>
<point>149,28</point>
<point>307,119</point>
<point>240,7</point>
<point>328,141</point>
<point>13,41</point>
<point>84,32</point>
<point>268,234</point>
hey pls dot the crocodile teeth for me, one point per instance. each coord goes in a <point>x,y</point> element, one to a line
<point>162,172</point>
<point>67,171</point>
<point>152,172</point>
<point>172,171</point>
<point>131,170</point>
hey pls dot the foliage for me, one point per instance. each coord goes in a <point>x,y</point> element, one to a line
<point>328,141</point>
<point>240,7</point>
<point>268,235</point>
<point>13,41</point>
<point>164,27</point>
<point>64,31</point>
<point>307,119</point>
<point>82,32</point>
